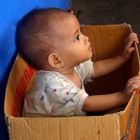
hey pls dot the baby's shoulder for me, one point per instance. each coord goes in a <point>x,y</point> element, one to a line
<point>50,77</point>
<point>54,82</point>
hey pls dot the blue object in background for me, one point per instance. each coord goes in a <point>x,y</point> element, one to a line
<point>11,11</point>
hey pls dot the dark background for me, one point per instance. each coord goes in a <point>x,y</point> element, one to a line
<point>109,12</point>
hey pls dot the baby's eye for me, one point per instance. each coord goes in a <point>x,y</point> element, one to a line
<point>78,37</point>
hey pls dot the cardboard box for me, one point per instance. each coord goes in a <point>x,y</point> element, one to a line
<point>107,41</point>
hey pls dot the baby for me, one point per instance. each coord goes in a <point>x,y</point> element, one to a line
<point>51,41</point>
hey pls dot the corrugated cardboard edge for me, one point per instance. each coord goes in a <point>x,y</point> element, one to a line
<point>128,118</point>
<point>65,128</point>
<point>129,121</point>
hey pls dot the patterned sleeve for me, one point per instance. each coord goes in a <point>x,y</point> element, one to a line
<point>86,70</point>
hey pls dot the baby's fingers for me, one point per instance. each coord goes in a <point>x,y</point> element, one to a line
<point>133,80</point>
<point>132,88</point>
<point>132,38</point>
<point>133,84</point>
<point>135,87</point>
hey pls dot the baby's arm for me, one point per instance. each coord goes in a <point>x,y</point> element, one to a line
<point>106,66</point>
<point>98,103</point>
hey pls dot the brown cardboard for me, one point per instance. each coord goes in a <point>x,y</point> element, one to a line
<point>107,41</point>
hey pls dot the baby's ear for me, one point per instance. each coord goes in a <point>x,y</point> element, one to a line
<point>55,60</point>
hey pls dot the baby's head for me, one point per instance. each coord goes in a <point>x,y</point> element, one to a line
<point>44,36</point>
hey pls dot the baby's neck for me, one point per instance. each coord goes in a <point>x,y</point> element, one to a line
<point>66,72</point>
<point>63,70</point>
<point>72,75</point>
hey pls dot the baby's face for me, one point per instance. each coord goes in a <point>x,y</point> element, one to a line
<point>74,46</point>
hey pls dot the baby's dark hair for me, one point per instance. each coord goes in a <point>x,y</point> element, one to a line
<point>35,33</point>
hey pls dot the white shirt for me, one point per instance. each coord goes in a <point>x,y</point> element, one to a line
<point>53,94</point>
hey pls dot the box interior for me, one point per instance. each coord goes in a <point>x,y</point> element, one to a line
<point>106,40</point>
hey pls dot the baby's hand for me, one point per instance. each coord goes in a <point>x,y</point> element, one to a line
<point>132,85</point>
<point>132,38</point>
